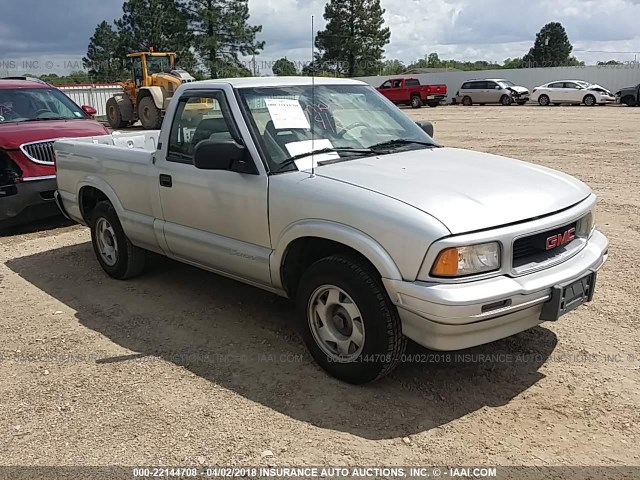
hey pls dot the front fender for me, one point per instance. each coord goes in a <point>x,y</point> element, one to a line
<point>157,95</point>
<point>349,236</point>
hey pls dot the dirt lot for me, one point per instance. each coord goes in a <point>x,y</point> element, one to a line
<point>184,367</point>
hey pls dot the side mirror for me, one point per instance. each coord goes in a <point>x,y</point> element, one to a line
<point>497,87</point>
<point>221,155</point>
<point>427,127</point>
<point>89,110</point>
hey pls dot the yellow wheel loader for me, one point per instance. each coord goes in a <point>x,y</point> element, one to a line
<point>147,95</point>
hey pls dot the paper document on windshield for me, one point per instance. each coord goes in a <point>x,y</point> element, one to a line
<point>308,146</point>
<point>286,113</point>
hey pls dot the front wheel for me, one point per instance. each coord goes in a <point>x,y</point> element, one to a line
<point>115,252</point>
<point>506,100</point>
<point>589,100</point>
<point>150,115</point>
<point>349,324</point>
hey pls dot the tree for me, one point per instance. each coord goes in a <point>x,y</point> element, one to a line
<point>433,61</point>
<point>159,24</point>
<point>551,47</point>
<point>354,39</point>
<point>510,63</point>
<point>610,62</point>
<point>284,68</point>
<point>104,60</point>
<point>393,67</point>
<point>222,33</point>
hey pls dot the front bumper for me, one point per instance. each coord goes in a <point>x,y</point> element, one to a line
<point>458,316</point>
<point>26,201</point>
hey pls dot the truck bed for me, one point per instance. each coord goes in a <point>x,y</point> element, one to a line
<point>124,161</point>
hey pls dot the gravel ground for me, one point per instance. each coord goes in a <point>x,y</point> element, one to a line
<point>183,367</point>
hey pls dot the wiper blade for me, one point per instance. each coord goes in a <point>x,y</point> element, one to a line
<point>400,142</point>
<point>44,119</point>
<point>351,150</point>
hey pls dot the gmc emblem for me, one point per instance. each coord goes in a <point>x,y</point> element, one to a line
<point>561,239</point>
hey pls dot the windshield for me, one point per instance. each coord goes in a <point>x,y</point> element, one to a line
<point>26,104</point>
<point>158,64</point>
<point>506,83</point>
<point>348,119</point>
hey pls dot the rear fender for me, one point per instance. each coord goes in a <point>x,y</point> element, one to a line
<point>125,105</point>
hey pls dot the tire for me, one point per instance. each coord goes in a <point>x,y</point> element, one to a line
<point>115,252</point>
<point>506,100</point>
<point>589,100</point>
<point>416,102</point>
<point>629,101</point>
<point>467,102</point>
<point>150,116</point>
<point>351,282</point>
<point>543,100</point>
<point>114,115</point>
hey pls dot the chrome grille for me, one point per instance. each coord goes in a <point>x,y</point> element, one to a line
<point>39,152</point>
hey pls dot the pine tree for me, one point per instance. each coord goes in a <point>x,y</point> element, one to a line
<point>222,33</point>
<point>354,38</point>
<point>157,24</point>
<point>103,59</point>
<point>551,48</point>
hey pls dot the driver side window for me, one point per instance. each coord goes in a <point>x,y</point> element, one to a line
<point>198,117</point>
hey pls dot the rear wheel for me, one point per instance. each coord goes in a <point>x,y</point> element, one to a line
<point>466,101</point>
<point>150,115</point>
<point>589,100</point>
<point>114,115</point>
<point>506,100</point>
<point>349,324</point>
<point>115,252</point>
<point>543,100</point>
<point>416,102</point>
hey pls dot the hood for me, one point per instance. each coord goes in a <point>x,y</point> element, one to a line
<point>519,89</point>
<point>599,88</point>
<point>12,135</point>
<point>465,190</point>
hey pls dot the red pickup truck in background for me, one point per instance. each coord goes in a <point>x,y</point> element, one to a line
<point>408,91</point>
<point>33,114</point>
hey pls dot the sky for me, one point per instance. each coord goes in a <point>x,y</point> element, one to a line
<point>40,36</point>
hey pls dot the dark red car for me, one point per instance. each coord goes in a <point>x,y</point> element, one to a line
<point>33,115</point>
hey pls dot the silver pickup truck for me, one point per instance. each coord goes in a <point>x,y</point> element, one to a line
<point>324,192</point>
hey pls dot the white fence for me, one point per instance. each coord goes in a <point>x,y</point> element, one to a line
<point>93,95</point>
<point>613,77</point>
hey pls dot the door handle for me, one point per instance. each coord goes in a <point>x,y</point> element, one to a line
<point>166,181</point>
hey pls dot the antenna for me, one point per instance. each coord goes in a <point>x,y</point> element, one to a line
<point>313,96</point>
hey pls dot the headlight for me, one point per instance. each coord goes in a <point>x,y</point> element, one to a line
<point>471,260</point>
<point>586,224</point>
